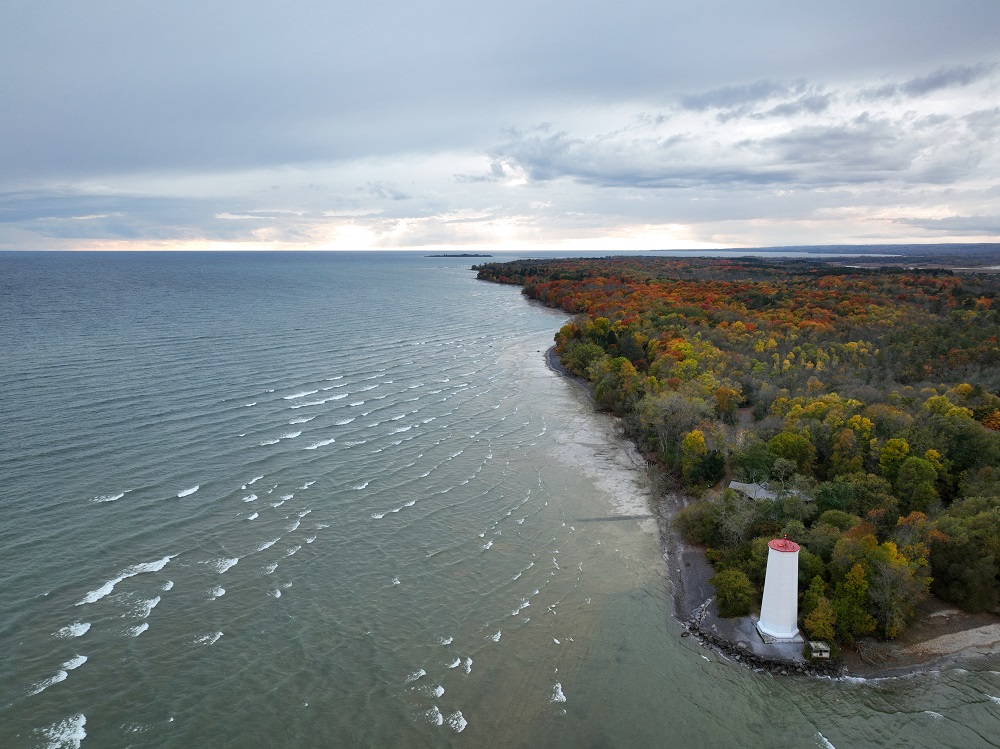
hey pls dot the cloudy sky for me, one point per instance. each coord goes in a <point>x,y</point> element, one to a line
<point>523,124</point>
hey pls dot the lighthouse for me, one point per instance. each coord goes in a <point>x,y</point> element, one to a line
<point>779,610</point>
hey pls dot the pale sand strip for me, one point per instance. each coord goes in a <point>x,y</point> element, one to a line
<point>980,639</point>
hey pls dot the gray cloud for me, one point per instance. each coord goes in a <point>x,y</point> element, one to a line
<point>733,97</point>
<point>951,77</point>
<point>958,225</point>
<point>658,163</point>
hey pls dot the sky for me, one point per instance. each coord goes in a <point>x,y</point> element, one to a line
<point>523,125</point>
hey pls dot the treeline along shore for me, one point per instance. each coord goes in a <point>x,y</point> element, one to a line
<point>857,410</point>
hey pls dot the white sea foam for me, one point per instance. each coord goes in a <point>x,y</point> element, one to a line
<point>435,716</point>
<point>342,422</point>
<point>332,379</point>
<point>292,550</point>
<point>355,443</point>
<point>395,581</point>
<point>456,664</point>
<point>437,691</point>
<point>467,665</point>
<point>305,486</point>
<point>303,394</point>
<point>268,442</point>
<point>521,607</point>
<point>290,435</point>
<point>209,639</point>
<point>457,722</point>
<point>136,569</point>
<point>138,629</point>
<point>267,544</point>
<point>276,593</point>
<point>321,443</point>
<point>321,526</point>
<point>168,585</point>
<point>68,733</point>
<point>445,640</point>
<point>75,662</point>
<point>934,715</point>
<point>247,405</point>
<point>823,741</point>
<point>496,637</point>
<point>310,539</point>
<point>221,565</point>
<point>217,592</point>
<point>254,516</point>
<point>295,525</point>
<point>410,503</point>
<point>187,492</point>
<point>144,607</point>
<point>557,693</point>
<point>250,498</point>
<point>110,497</point>
<point>302,420</point>
<point>76,629</point>
<point>303,513</point>
<point>321,401</point>
<point>378,515</point>
<point>270,568</point>
<point>362,486</point>
<point>995,699</point>
<point>416,675</point>
<point>254,480</point>
<point>40,686</point>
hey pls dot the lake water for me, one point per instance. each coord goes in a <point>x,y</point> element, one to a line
<point>311,500</point>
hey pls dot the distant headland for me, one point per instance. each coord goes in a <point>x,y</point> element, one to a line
<point>856,406</point>
<point>460,254</point>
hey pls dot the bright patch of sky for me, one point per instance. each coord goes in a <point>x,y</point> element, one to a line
<point>458,126</point>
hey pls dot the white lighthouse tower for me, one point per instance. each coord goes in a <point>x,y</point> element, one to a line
<point>779,611</point>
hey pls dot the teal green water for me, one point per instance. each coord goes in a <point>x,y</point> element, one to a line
<point>339,500</point>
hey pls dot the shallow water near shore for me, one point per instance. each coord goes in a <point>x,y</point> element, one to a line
<point>340,500</point>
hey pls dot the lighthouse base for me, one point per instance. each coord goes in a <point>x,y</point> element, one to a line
<point>770,636</point>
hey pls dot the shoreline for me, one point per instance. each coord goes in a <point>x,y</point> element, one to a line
<point>943,636</point>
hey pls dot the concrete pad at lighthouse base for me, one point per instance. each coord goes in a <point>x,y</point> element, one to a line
<point>771,638</point>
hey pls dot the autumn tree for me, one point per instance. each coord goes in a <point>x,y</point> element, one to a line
<point>915,484</point>
<point>891,457</point>
<point>821,622</point>
<point>796,448</point>
<point>694,450</point>
<point>670,416</point>
<point>895,586</point>
<point>851,605</point>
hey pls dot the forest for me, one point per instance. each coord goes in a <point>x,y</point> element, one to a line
<point>865,401</point>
